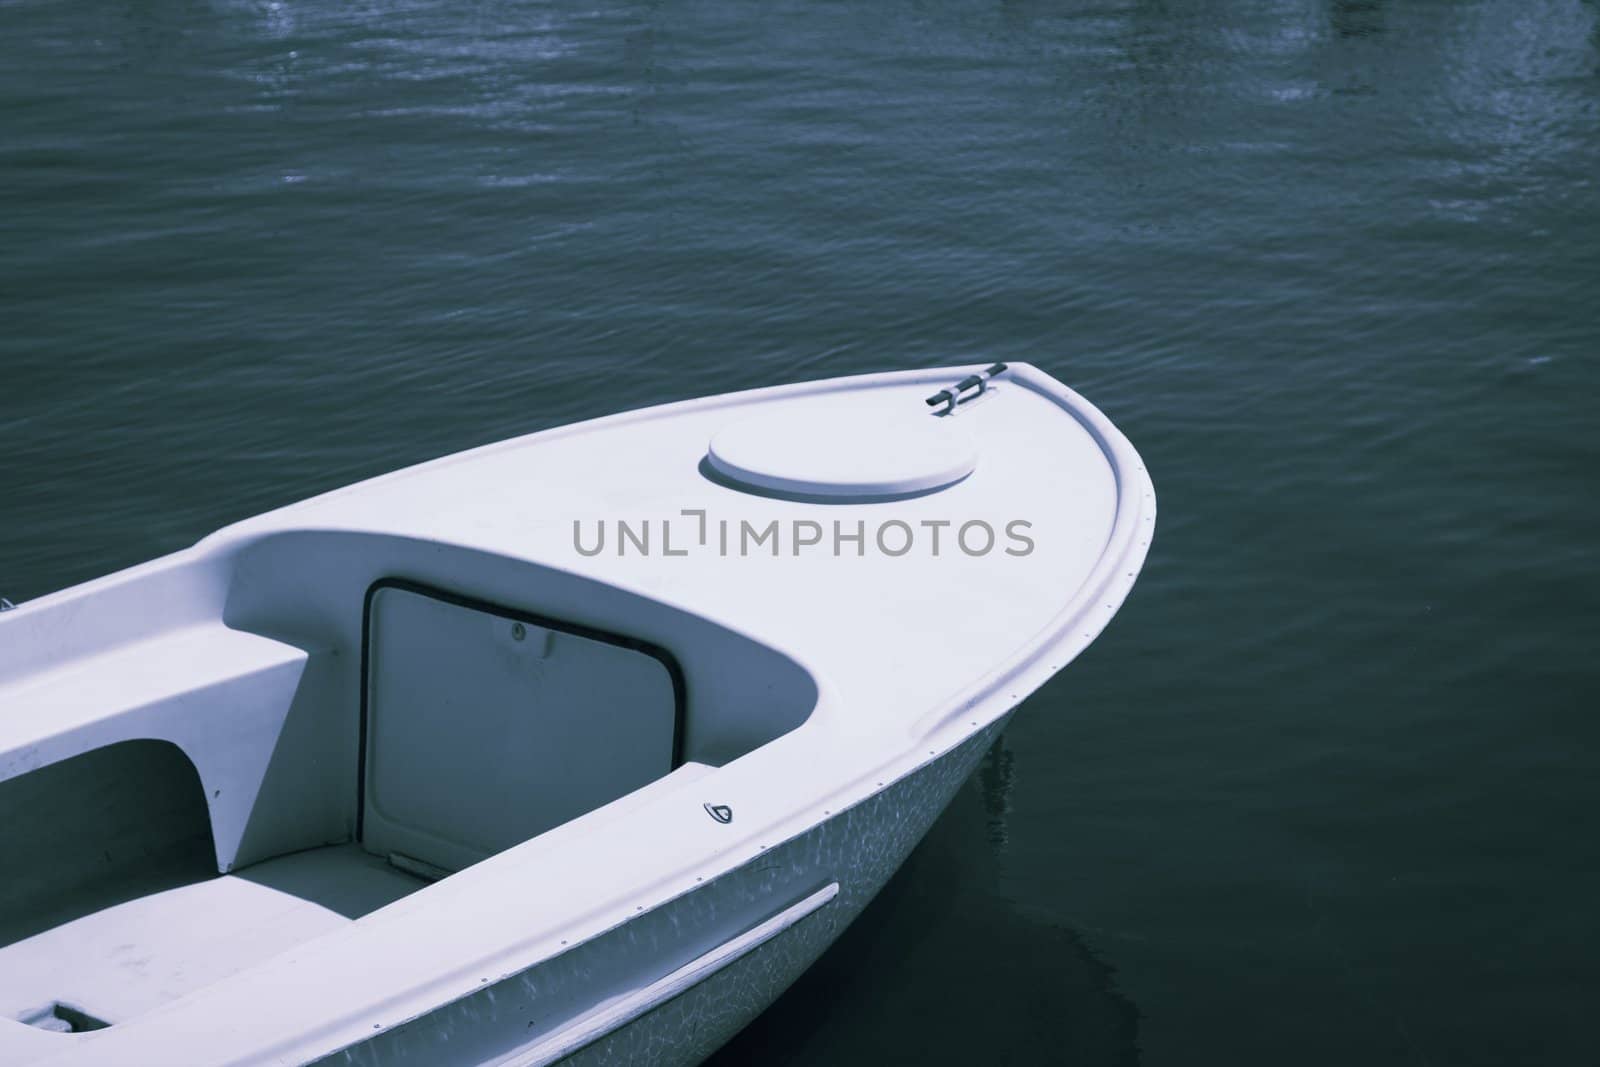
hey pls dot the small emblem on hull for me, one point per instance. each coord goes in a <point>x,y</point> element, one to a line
<point>720,812</point>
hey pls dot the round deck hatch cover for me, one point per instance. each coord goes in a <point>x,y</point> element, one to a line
<point>844,447</point>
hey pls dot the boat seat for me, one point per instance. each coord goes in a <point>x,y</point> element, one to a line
<point>221,695</point>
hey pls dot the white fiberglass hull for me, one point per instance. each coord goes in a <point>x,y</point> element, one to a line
<point>796,898</point>
<point>582,745</point>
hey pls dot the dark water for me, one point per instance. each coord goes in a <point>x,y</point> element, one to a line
<point>1325,792</point>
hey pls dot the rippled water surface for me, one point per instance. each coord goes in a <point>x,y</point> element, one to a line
<point>1326,790</point>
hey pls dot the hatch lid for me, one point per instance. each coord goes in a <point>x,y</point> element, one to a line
<point>844,448</point>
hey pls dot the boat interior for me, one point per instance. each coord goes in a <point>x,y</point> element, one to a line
<point>243,747</point>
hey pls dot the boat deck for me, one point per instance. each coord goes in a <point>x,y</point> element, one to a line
<point>121,961</point>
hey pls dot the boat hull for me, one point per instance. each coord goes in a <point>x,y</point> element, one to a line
<point>617,802</point>
<point>508,1023</point>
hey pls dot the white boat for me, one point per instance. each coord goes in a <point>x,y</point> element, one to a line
<point>580,745</point>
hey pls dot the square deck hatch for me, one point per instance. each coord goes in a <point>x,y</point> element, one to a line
<point>485,726</point>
